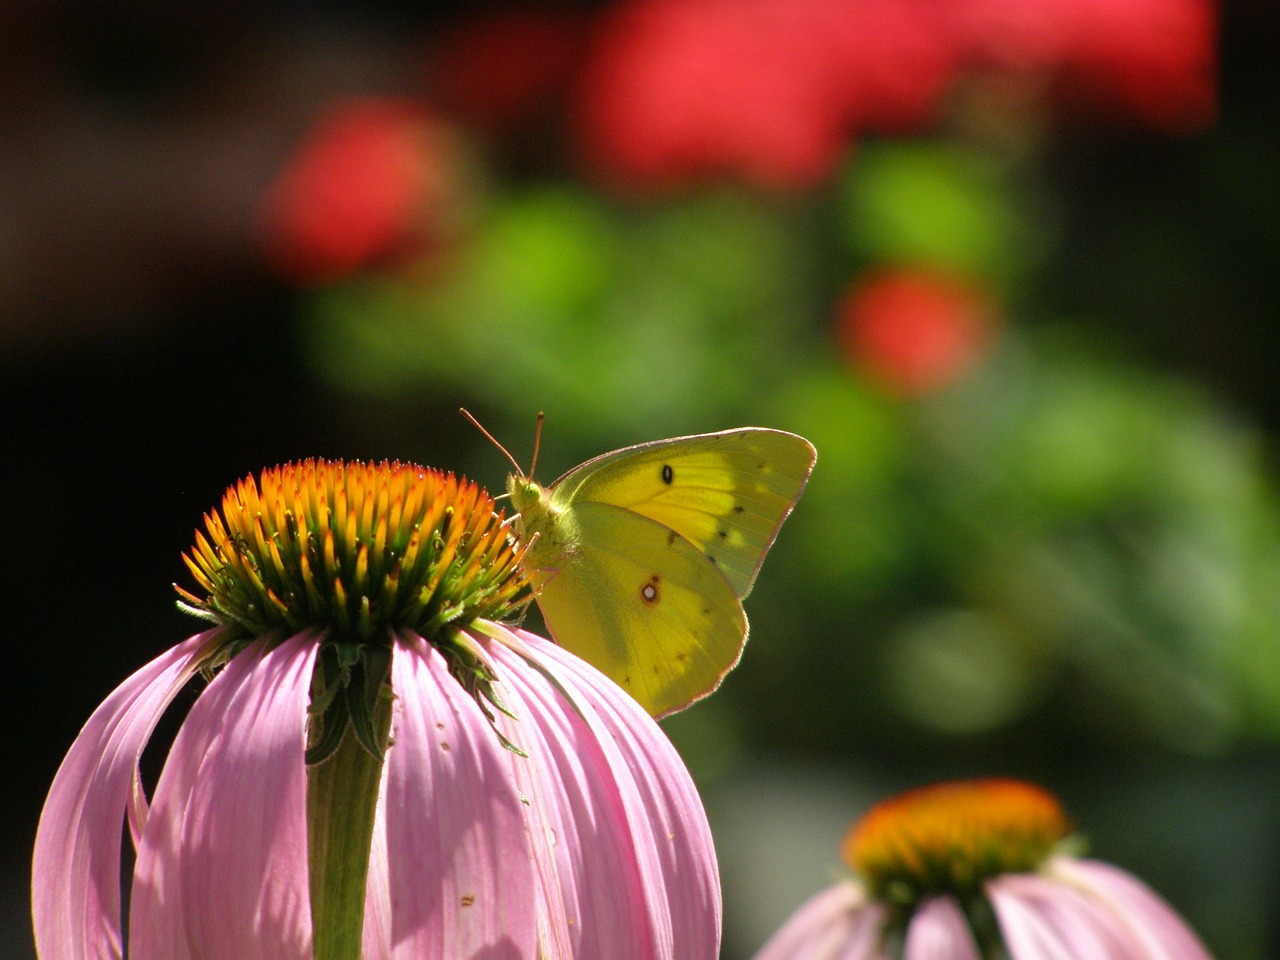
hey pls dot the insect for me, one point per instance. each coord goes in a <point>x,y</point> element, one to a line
<point>647,552</point>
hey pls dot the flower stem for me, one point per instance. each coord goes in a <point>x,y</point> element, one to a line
<point>342,797</point>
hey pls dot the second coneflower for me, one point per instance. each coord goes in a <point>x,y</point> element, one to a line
<point>976,870</point>
<point>377,768</point>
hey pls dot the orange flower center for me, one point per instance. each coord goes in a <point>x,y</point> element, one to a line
<point>360,548</point>
<point>948,838</point>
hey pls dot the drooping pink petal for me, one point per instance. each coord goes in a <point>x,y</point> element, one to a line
<point>637,866</point>
<point>939,931</point>
<point>222,865</point>
<point>376,943</point>
<point>1040,917</point>
<point>1151,923</point>
<point>591,886</point>
<point>1024,931</point>
<point>839,923</point>
<point>460,875</point>
<point>75,889</point>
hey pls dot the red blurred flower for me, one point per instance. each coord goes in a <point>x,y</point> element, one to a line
<point>772,91</point>
<point>1013,34</point>
<point>892,62</point>
<point>506,65</point>
<point>371,180</point>
<point>1153,61</point>
<point>913,329</point>
<point>675,89</point>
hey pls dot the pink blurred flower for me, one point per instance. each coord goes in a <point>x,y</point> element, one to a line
<point>936,865</point>
<point>590,843</point>
<point>375,179</point>
<point>914,330</point>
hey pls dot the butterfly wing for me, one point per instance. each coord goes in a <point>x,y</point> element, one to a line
<point>726,493</point>
<point>645,607</point>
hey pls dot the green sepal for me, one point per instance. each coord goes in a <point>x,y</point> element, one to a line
<point>366,687</point>
<point>350,681</point>
<point>467,666</point>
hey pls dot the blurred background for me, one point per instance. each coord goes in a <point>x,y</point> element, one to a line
<point>1011,265</point>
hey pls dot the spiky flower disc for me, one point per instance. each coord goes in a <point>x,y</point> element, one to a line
<point>354,547</point>
<point>948,838</point>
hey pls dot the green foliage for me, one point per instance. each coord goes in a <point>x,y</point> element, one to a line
<point>612,319</point>
<point>941,204</point>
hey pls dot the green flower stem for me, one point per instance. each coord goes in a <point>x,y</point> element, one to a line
<point>342,796</point>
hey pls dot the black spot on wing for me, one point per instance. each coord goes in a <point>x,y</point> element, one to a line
<point>668,475</point>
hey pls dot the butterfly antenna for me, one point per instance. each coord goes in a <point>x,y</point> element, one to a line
<point>537,444</point>
<point>494,440</point>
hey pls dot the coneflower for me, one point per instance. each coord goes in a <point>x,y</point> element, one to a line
<point>378,767</point>
<point>978,870</point>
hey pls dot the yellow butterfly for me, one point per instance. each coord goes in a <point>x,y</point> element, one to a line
<point>648,551</point>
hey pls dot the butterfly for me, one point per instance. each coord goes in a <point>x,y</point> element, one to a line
<point>645,554</point>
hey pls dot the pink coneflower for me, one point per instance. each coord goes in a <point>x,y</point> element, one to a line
<point>974,870</point>
<point>377,767</point>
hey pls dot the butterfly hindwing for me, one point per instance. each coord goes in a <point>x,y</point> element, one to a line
<point>645,606</point>
<point>726,493</point>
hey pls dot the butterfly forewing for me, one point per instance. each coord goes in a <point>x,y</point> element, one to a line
<point>726,493</point>
<point>648,609</point>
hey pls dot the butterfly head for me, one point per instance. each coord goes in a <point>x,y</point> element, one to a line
<point>542,525</point>
<point>544,528</point>
<point>527,496</point>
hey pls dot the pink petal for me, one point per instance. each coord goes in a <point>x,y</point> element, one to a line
<point>1024,931</point>
<point>460,874</point>
<point>636,865</point>
<point>75,889</point>
<point>839,923</point>
<point>939,931</point>
<point>1153,926</point>
<point>1043,918</point>
<point>222,864</point>
<point>376,944</point>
